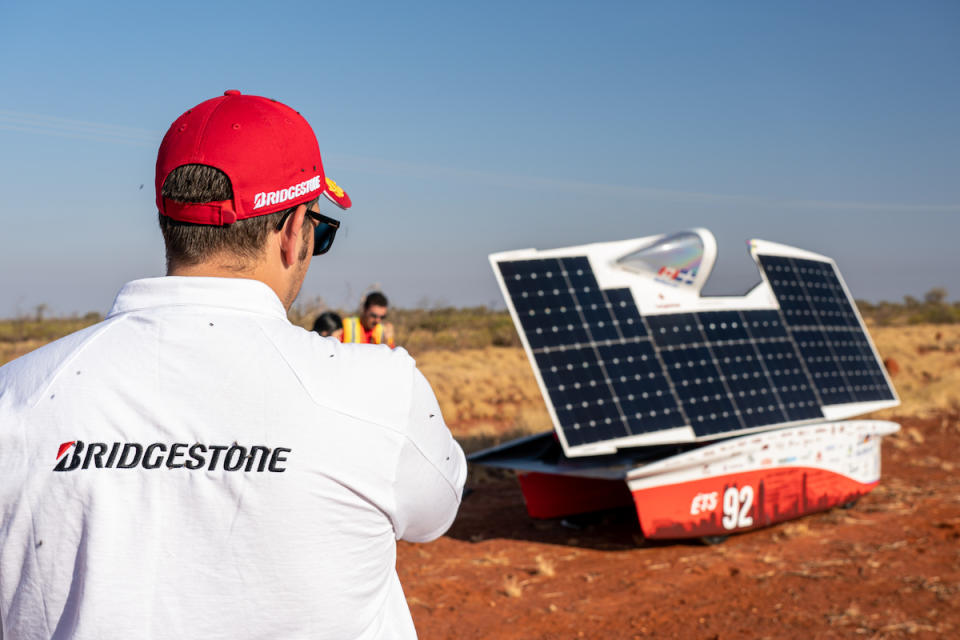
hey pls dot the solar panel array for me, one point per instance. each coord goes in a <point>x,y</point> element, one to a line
<point>827,330</point>
<point>611,373</point>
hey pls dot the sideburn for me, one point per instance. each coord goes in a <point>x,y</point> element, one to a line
<point>305,232</point>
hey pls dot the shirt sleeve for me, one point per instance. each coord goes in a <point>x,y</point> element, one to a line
<point>431,471</point>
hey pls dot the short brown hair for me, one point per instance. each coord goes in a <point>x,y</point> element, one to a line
<point>375,299</point>
<point>190,244</point>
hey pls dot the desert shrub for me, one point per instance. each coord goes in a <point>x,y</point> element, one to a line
<point>453,328</point>
<point>934,309</point>
<point>34,328</point>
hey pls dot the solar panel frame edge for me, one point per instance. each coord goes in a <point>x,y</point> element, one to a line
<point>760,248</point>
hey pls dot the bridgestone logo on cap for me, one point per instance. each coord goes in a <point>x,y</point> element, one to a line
<point>265,199</point>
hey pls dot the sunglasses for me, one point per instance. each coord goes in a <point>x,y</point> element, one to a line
<point>323,233</point>
<point>376,316</point>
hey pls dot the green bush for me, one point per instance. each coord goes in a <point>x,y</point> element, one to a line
<point>933,310</point>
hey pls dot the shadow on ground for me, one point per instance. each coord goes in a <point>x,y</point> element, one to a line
<point>494,509</point>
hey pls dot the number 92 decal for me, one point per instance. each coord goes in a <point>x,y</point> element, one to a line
<point>737,503</point>
<point>736,507</point>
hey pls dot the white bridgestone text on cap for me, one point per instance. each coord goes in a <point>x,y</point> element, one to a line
<point>264,199</point>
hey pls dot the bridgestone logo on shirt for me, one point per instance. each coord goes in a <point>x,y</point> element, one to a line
<point>177,455</point>
<point>264,198</point>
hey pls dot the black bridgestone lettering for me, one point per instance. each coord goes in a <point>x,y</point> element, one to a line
<point>156,462</point>
<point>216,449</point>
<point>264,454</point>
<point>114,450</point>
<point>228,462</point>
<point>123,463</point>
<point>196,460</point>
<point>178,455</point>
<point>173,455</point>
<point>277,458</point>
<point>95,452</point>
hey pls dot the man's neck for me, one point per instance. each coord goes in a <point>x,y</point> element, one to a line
<point>221,269</point>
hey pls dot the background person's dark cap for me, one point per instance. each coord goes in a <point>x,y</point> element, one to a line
<point>267,150</point>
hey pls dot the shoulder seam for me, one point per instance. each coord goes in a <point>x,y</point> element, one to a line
<point>42,389</point>
<point>313,398</point>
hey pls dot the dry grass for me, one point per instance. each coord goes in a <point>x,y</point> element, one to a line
<point>495,560</point>
<point>486,391</point>
<point>544,567</point>
<point>928,368</point>
<point>512,586</point>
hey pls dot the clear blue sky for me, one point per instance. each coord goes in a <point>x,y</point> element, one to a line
<point>460,129</point>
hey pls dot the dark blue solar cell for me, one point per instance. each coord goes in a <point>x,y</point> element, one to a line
<point>797,311</point>
<point>587,300</point>
<point>712,416</point>
<point>788,290</point>
<point>626,313</point>
<point>823,366</point>
<point>603,423</point>
<point>775,264</point>
<point>579,273</point>
<point>850,316</point>
<point>524,275</point>
<point>632,362</point>
<point>544,306</point>
<point>810,293</point>
<point>683,363</point>
<point>702,395</point>
<point>577,385</point>
<point>829,313</point>
<point>790,380</point>
<point>598,315</point>
<point>764,324</point>
<point>570,370</point>
<point>593,424</point>
<point>845,346</point>
<point>641,389</point>
<point>750,387</point>
<point>550,327</point>
<point>859,366</point>
<point>722,325</point>
<point>509,269</point>
<point>674,329</point>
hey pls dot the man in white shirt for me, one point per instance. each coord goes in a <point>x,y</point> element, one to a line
<point>195,466</point>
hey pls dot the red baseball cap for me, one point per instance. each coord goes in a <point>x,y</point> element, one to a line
<point>267,150</point>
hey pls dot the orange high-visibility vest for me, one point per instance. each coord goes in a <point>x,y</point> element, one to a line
<point>353,332</point>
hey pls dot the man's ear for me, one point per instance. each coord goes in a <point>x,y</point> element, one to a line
<point>291,236</point>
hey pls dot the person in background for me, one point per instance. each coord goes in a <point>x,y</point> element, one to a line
<point>329,324</point>
<point>369,327</point>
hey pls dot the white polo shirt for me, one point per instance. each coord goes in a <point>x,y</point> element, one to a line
<point>197,467</point>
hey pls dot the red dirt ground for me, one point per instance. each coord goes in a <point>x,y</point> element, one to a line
<point>887,568</point>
